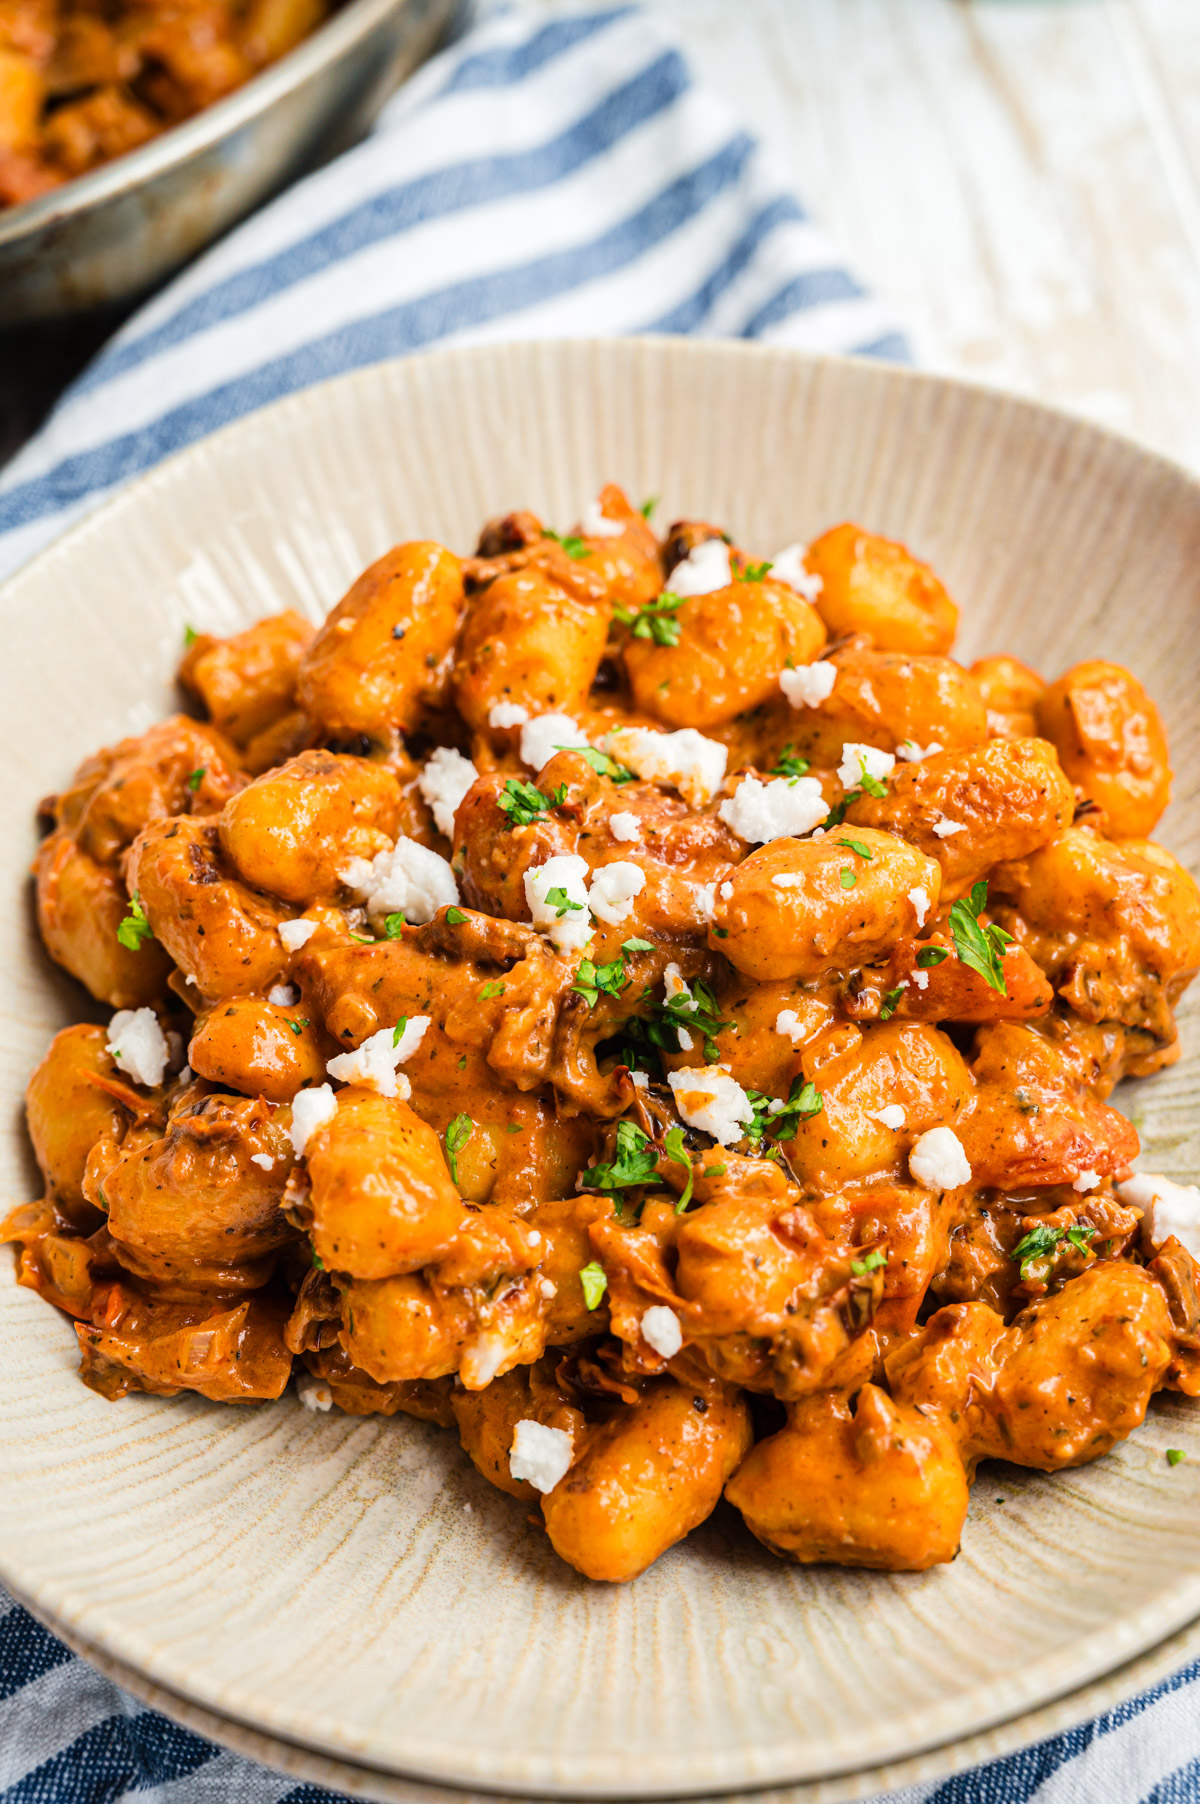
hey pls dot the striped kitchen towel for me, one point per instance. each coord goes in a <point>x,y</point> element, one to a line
<point>552,175</point>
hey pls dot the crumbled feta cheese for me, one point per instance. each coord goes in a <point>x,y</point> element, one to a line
<point>712,1101</point>
<point>787,566</point>
<point>503,715</point>
<point>570,931</point>
<point>311,1109</point>
<point>945,828</point>
<point>857,758</point>
<point>283,995</point>
<point>625,826</point>
<point>374,1063</point>
<point>912,753</point>
<point>890,1117</point>
<point>694,764</point>
<point>703,571</point>
<point>686,1042</point>
<point>1170,1208</point>
<point>185,1074</point>
<point>788,1022</point>
<point>540,1455</point>
<point>781,809</point>
<point>547,1289</point>
<point>938,1161</point>
<point>314,1393</point>
<point>920,978</point>
<point>726,891</point>
<point>810,685</point>
<point>613,888</point>
<point>264,1160</point>
<point>295,934</point>
<point>1087,1180</point>
<point>139,1045</point>
<point>443,783</point>
<point>705,897</point>
<point>661,1330</point>
<point>547,734</point>
<point>641,1079</point>
<point>921,902</point>
<point>409,880</point>
<point>673,986</point>
<point>788,880</point>
<point>595,523</point>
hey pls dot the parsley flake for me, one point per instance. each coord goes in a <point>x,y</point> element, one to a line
<point>592,980</point>
<point>846,877</point>
<point>558,899</point>
<point>523,802</point>
<point>981,949</point>
<point>636,945</point>
<point>398,1030</point>
<point>780,1122</point>
<point>856,845</point>
<point>601,763</point>
<point>789,766</point>
<point>318,1262</point>
<point>594,1281</point>
<point>458,1133</point>
<point>190,636</point>
<point>872,1262</point>
<point>1175,1456</point>
<point>648,506</point>
<point>493,988</point>
<point>634,1161</point>
<point>571,543</point>
<point>1042,1242</point>
<point>135,929</point>
<point>655,619</point>
<point>394,926</point>
<point>298,1027</point>
<point>891,1003</point>
<point>197,777</point>
<point>454,918</point>
<point>677,1153</point>
<point>929,956</point>
<point>753,573</point>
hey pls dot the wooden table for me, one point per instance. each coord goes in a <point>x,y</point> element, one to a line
<point>1021,177</point>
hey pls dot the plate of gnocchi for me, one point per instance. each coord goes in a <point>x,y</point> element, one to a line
<point>598,1068</point>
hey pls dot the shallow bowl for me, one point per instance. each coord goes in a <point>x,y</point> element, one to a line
<point>354,1587</point>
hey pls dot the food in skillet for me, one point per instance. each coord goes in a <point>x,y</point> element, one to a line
<point>84,81</point>
<point>645,1007</point>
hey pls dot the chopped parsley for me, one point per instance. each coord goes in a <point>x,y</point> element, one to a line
<point>634,1161</point>
<point>558,899</point>
<point>677,1153</point>
<point>298,1027</point>
<point>789,766</point>
<point>364,939</point>
<point>135,929</point>
<point>891,1003</point>
<point>592,980</point>
<point>318,1262</point>
<point>197,777</point>
<point>523,802</point>
<point>398,1030</point>
<point>457,1134</point>
<point>655,619</point>
<point>752,573</point>
<point>1175,1455</point>
<point>980,948</point>
<point>780,1122</point>
<point>494,988</point>
<point>872,1262</point>
<point>601,763</point>
<point>190,636</point>
<point>867,786</point>
<point>856,845</point>
<point>929,956</point>
<point>571,543</point>
<point>395,924</point>
<point>454,918</point>
<point>636,945</point>
<point>846,877</point>
<point>648,506</point>
<point>696,1010</point>
<point>1042,1242</point>
<point>595,1283</point>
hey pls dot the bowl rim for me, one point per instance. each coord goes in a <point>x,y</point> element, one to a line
<point>179,143</point>
<point>1113,1680</point>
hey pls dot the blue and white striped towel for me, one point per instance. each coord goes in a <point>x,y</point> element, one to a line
<point>552,175</point>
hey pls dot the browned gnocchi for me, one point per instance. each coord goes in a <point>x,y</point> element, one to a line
<point>645,1006</point>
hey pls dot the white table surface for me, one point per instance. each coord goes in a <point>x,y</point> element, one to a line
<point>1021,177</point>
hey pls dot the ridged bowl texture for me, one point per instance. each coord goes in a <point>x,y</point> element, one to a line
<point>354,1587</point>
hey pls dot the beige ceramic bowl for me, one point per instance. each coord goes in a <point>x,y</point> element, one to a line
<point>321,1583</point>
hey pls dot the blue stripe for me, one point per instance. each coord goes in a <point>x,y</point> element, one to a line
<point>110,1758</point>
<point>364,341</point>
<point>510,63</point>
<point>314,1794</point>
<point>434,196</point>
<point>27,1650</point>
<point>893,347</point>
<point>814,288</point>
<point>1183,1786</point>
<point>690,314</point>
